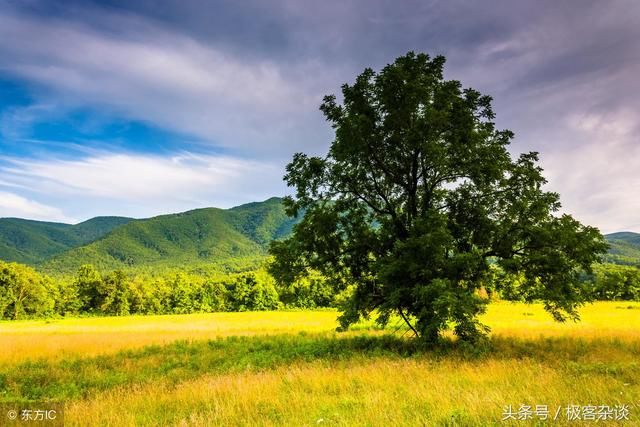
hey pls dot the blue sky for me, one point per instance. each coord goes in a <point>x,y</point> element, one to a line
<point>143,108</point>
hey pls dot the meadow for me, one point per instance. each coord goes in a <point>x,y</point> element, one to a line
<point>291,368</point>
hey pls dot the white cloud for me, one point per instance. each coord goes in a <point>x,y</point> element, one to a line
<point>151,74</point>
<point>13,205</point>
<point>144,185</point>
<point>598,178</point>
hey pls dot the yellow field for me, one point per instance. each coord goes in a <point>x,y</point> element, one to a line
<point>98,335</point>
<point>276,376</point>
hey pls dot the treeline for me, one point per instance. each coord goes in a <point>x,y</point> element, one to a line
<point>612,282</point>
<point>25,293</point>
<point>606,282</point>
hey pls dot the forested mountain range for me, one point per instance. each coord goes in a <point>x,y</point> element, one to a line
<point>188,239</point>
<point>31,242</point>
<point>184,239</point>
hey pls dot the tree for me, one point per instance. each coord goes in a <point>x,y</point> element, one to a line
<point>88,283</point>
<point>247,292</point>
<point>24,292</point>
<point>67,300</point>
<point>211,296</point>
<point>183,294</point>
<point>309,292</point>
<point>114,294</point>
<point>417,197</point>
<point>616,282</point>
<point>148,295</point>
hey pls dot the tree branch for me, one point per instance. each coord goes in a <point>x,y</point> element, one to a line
<point>408,323</point>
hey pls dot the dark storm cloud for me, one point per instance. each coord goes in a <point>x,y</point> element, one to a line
<point>249,75</point>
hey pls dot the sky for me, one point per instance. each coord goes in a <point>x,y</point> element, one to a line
<point>145,108</point>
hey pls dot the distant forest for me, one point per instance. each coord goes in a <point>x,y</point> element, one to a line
<point>205,260</point>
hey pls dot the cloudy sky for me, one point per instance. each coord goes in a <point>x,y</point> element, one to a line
<point>148,107</point>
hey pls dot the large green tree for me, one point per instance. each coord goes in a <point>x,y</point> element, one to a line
<point>24,292</point>
<point>418,197</point>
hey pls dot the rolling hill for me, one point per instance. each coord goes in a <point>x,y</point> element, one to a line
<point>31,242</point>
<point>211,235</point>
<point>188,239</point>
<point>201,237</point>
<point>625,248</point>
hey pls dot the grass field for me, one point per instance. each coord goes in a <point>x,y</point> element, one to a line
<point>290,368</point>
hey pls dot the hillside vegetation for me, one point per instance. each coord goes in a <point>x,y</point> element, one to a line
<point>193,238</point>
<point>30,242</point>
<point>227,239</point>
<point>236,237</point>
<point>625,248</point>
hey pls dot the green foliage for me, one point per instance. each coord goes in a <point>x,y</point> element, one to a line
<point>616,282</point>
<point>196,239</point>
<point>182,295</point>
<point>606,282</point>
<point>307,292</point>
<point>88,283</point>
<point>113,294</point>
<point>416,198</point>
<point>212,296</point>
<point>68,301</point>
<point>247,293</point>
<point>24,293</point>
<point>625,248</point>
<point>149,295</point>
<point>30,242</point>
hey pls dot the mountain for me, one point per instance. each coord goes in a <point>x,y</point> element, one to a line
<point>204,237</point>
<point>193,239</point>
<point>625,248</point>
<point>31,242</point>
<point>189,239</point>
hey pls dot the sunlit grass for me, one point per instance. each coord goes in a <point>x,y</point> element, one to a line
<point>619,319</point>
<point>291,368</point>
<point>97,335</point>
<point>376,392</point>
<point>59,338</point>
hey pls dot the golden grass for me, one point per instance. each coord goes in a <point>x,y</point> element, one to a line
<point>374,392</point>
<point>534,360</point>
<point>59,338</point>
<point>20,340</point>
<point>619,319</point>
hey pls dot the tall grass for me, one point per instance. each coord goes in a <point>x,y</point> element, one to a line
<point>289,368</point>
<point>62,338</point>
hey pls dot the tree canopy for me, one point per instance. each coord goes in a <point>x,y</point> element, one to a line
<point>419,204</point>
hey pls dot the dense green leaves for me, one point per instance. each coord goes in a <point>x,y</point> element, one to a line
<point>90,292</point>
<point>23,292</point>
<point>247,293</point>
<point>415,200</point>
<point>616,282</point>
